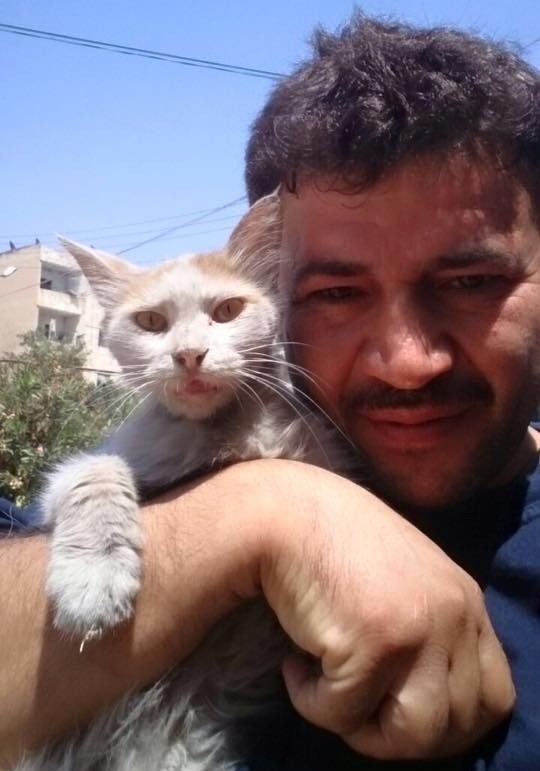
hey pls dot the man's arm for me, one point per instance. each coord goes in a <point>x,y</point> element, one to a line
<point>410,666</point>
<point>188,583</point>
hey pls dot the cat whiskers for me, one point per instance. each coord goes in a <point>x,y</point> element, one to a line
<point>276,344</point>
<point>134,408</point>
<point>250,392</point>
<point>269,359</point>
<point>285,388</point>
<point>126,388</point>
<point>280,388</point>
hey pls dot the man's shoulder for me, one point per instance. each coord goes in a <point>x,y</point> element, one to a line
<point>531,507</point>
<point>512,593</point>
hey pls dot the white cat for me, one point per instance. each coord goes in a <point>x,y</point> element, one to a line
<point>198,340</point>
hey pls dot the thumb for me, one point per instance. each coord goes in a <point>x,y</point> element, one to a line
<point>329,704</point>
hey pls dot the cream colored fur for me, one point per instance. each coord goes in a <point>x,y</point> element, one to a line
<point>210,393</point>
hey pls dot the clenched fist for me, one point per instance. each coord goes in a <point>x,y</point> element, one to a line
<point>409,663</point>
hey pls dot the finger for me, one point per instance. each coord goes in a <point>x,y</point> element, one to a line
<point>413,717</point>
<point>497,692</point>
<point>338,705</point>
<point>464,688</point>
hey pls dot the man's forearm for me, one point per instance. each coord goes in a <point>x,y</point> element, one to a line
<point>410,666</point>
<point>50,687</point>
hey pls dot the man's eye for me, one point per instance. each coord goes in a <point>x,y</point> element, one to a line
<point>336,293</point>
<point>475,281</point>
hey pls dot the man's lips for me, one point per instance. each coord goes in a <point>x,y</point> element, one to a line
<point>413,416</point>
<point>407,428</point>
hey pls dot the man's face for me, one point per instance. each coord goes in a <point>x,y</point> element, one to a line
<point>417,306</point>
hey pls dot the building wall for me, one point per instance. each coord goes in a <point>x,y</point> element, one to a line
<point>99,358</point>
<point>18,296</point>
<point>48,291</point>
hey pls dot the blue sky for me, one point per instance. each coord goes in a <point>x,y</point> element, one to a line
<point>112,150</point>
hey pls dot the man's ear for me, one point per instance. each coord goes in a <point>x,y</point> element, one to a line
<point>255,243</point>
<point>107,275</point>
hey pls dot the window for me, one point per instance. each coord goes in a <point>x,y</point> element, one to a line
<point>101,339</point>
<point>45,283</point>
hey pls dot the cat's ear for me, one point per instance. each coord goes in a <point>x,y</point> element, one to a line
<point>255,243</point>
<point>107,275</point>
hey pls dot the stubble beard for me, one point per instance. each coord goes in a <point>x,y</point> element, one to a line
<point>422,490</point>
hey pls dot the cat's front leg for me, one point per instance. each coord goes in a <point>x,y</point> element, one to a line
<point>90,506</point>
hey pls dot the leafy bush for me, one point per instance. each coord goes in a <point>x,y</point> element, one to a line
<point>47,411</point>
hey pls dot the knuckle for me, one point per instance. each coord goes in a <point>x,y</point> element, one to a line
<point>456,610</point>
<point>423,736</point>
<point>428,743</point>
<point>394,633</point>
<point>455,600</point>
<point>475,596</point>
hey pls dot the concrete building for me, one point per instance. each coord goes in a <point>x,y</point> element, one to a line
<point>44,289</point>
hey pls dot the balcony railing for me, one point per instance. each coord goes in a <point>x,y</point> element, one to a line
<point>62,302</point>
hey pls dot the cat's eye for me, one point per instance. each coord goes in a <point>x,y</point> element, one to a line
<point>228,309</point>
<point>151,321</point>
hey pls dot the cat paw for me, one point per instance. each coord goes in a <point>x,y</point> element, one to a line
<point>90,636</point>
<point>93,595</point>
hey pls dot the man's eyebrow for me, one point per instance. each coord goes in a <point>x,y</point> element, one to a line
<point>326,267</point>
<point>469,257</point>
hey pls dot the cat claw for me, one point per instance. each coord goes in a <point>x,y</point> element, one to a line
<point>96,633</point>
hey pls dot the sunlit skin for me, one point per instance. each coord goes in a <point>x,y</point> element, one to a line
<point>417,303</point>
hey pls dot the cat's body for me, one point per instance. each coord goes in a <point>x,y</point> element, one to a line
<point>198,339</point>
<point>192,719</point>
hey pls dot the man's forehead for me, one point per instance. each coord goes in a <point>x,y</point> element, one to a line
<point>448,183</point>
<point>426,201</point>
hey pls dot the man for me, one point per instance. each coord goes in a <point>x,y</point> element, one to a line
<point>409,162</point>
<point>411,166</point>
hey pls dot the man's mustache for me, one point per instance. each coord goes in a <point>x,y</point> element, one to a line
<point>441,391</point>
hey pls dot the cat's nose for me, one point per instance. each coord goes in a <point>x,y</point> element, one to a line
<point>189,358</point>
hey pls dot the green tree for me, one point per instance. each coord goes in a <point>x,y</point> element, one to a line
<point>47,411</point>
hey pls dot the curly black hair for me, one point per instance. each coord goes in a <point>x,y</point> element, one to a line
<point>378,93</point>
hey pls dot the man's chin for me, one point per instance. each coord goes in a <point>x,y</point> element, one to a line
<point>424,495</point>
<point>425,481</point>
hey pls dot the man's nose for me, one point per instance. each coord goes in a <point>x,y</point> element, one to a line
<point>406,348</point>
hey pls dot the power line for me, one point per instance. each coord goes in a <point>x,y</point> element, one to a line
<point>44,234</point>
<point>145,53</point>
<point>179,236</point>
<point>95,238</point>
<point>68,272</point>
<point>168,231</point>
<point>134,233</point>
<point>114,249</point>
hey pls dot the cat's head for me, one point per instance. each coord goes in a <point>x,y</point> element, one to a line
<point>188,330</point>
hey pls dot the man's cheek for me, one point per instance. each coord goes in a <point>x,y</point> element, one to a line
<point>301,327</point>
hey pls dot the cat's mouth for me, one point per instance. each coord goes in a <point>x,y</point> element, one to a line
<point>195,386</point>
<point>196,397</point>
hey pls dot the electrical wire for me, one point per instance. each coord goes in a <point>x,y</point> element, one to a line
<point>146,53</point>
<point>531,43</point>
<point>111,237</point>
<point>180,236</point>
<point>195,220</point>
<point>113,250</point>
<point>101,228</point>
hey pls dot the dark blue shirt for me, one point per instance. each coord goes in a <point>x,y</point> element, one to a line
<point>496,538</point>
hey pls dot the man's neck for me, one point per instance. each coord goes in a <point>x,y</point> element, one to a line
<point>524,459</point>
